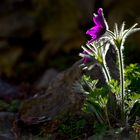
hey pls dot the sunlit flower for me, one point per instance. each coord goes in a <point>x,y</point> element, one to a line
<point>100,26</point>
<point>118,37</point>
<point>85,59</point>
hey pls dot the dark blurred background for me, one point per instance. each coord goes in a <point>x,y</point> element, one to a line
<point>36,35</point>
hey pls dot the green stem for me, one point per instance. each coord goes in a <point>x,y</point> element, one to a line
<point>122,87</point>
<point>106,72</point>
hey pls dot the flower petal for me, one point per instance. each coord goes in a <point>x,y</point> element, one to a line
<point>99,19</point>
<point>85,59</point>
<point>93,39</point>
<point>100,26</point>
<point>100,12</point>
<point>94,31</point>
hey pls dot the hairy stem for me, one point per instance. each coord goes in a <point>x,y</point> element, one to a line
<point>122,87</point>
<point>106,72</point>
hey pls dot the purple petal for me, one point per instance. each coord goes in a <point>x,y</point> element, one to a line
<point>85,52</point>
<point>97,31</point>
<point>99,19</point>
<point>100,11</point>
<point>94,31</point>
<point>93,39</point>
<point>85,60</point>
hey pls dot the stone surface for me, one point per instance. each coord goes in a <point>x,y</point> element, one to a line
<point>58,99</point>
<point>6,124</point>
<point>6,121</point>
<point>7,91</point>
<point>46,78</point>
<point>6,137</point>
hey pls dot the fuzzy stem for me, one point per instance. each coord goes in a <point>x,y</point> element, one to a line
<point>122,87</point>
<point>106,72</point>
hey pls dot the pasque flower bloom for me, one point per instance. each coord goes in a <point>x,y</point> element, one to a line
<point>100,26</point>
<point>85,59</point>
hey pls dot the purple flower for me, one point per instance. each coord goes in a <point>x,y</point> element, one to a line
<point>85,60</point>
<point>100,26</point>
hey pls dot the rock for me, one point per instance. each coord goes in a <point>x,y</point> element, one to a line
<point>111,59</point>
<point>6,124</point>
<point>6,121</point>
<point>47,77</point>
<point>96,72</point>
<point>6,137</point>
<point>59,99</point>
<point>8,92</point>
